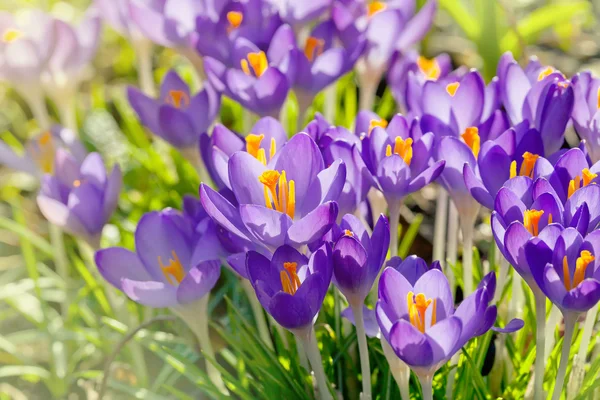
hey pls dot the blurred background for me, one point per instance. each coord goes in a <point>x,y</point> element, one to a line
<point>46,352</point>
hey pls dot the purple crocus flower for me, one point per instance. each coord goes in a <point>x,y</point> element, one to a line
<point>565,268</point>
<point>254,20</point>
<point>265,137</point>
<point>300,12</point>
<point>541,96</point>
<point>254,81</point>
<point>357,258</point>
<point>513,153</point>
<point>399,158</point>
<point>167,269</point>
<point>586,89</point>
<point>289,200</point>
<point>80,199</point>
<point>117,14</point>
<point>317,62</point>
<point>412,267</point>
<point>420,323</point>
<point>41,151</point>
<point>290,286</point>
<point>177,116</point>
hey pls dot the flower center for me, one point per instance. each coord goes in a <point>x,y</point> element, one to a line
<point>402,147</point>
<point>417,307</point>
<point>531,220</point>
<point>348,232</point>
<point>382,123</point>
<point>10,35</point>
<point>313,48</point>
<point>45,153</point>
<point>253,147</point>
<point>178,99</point>
<point>545,73</point>
<point>527,166</point>
<point>429,67</point>
<point>581,264</point>
<point>279,193</point>
<point>258,62</point>
<point>235,19</point>
<point>585,179</point>
<point>173,270</point>
<point>290,282</point>
<point>76,183</point>
<point>374,7</point>
<point>472,139</point>
<point>451,88</point>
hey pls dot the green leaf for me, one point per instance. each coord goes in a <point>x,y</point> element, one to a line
<point>462,17</point>
<point>410,236</point>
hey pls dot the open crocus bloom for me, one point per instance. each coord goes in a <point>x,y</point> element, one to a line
<point>585,114</point>
<point>80,199</point>
<point>540,96</point>
<point>420,323</point>
<point>263,140</point>
<point>566,269</point>
<point>40,151</point>
<point>399,157</point>
<point>412,267</point>
<point>288,200</point>
<point>176,116</point>
<point>291,287</point>
<point>357,258</point>
<point>171,266</point>
<point>514,153</point>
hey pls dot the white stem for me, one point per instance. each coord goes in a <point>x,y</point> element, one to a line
<point>35,99</point>
<point>363,351</point>
<point>467,261</point>
<point>61,263</point>
<point>439,229</point>
<point>570,321</point>
<point>368,89</point>
<point>580,359</point>
<point>302,355</point>
<point>553,319</point>
<point>426,387</point>
<point>67,112</point>
<point>540,346</point>
<point>196,318</point>
<point>143,50</point>
<point>259,314</point>
<point>515,306</point>
<point>330,105</point>
<point>309,342</point>
<point>304,101</point>
<point>394,210</point>
<point>452,236</point>
<point>196,60</point>
<point>400,371</point>
<point>502,274</point>
<point>451,376</point>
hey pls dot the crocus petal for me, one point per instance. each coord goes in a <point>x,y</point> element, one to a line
<point>150,293</point>
<point>369,320</point>
<point>467,103</point>
<point>477,188</point>
<point>289,311</point>
<point>585,296</point>
<point>444,338</point>
<point>58,213</point>
<point>411,345</point>
<point>514,325</point>
<point>514,242</point>
<point>116,263</point>
<point>391,283</point>
<point>222,211</point>
<point>266,225</point>
<point>198,281</point>
<point>326,187</point>
<point>314,225</point>
<point>244,171</point>
<point>350,269</point>
<point>434,285</point>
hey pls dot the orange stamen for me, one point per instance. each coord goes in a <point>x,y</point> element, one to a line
<point>588,176</point>
<point>382,123</point>
<point>290,281</point>
<point>531,220</point>
<point>429,67</point>
<point>280,194</point>
<point>174,269</point>
<point>253,144</point>
<point>375,7</point>
<point>574,185</point>
<point>417,308</point>
<point>10,35</point>
<point>258,62</point>
<point>235,19</point>
<point>402,147</point>
<point>585,258</point>
<point>178,99</point>
<point>472,139</point>
<point>313,48</point>
<point>545,73</point>
<point>451,88</point>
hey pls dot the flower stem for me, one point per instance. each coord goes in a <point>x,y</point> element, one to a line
<point>579,362</point>
<point>570,321</point>
<point>143,52</point>
<point>35,99</point>
<point>67,112</point>
<point>426,387</point>
<point>439,229</point>
<point>330,103</point>
<point>398,368</point>
<point>61,263</point>
<point>368,83</point>
<point>197,319</point>
<point>309,342</point>
<point>394,211</point>
<point>467,261</point>
<point>363,351</point>
<point>452,244</point>
<point>502,274</point>
<point>540,343</point>
<point>259,315</point>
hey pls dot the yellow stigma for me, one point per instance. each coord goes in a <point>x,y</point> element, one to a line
<point>374,7</point>
<point>584,180</point>
<point>235,19</point>
<point>76,183</point>
<point>382,123</point>
<point>45,152</point>
<point>348,232</point>
<point>531,221</point>
<point>429,67</point>
<point>258,62</point>
<point>598,97</point>
<point>451,88</point>
<point>173,270</point>
<point>279,193</point>
<point>253,144</point>
<point>471,138</point>
<point>10,35</point>
<point>290,282</point>
<point>402,147</point>
<point>417,308</point>
<point>529,160</point>
<point>313,48</point>
<point>545,73</point>
<point>585,258</point>
<point>178,99</point>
